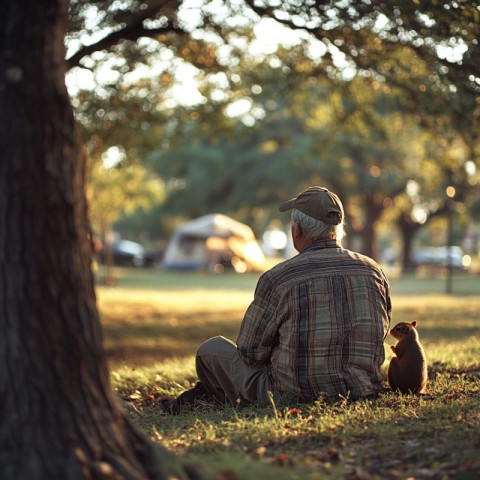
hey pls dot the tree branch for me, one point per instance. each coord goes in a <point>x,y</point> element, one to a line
<point>130,33</point>
<point>132,30</point>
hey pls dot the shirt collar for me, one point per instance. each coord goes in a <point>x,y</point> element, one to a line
<point>321,244</point>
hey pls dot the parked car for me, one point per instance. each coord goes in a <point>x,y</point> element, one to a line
<point>441,257</point>
<point>128,253</point>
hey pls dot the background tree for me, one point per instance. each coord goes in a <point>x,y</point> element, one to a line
<point>116,189</point>
<point>252,141</point>
<point>403,48</point>
<point>425,51</point>
<point>294,129</point>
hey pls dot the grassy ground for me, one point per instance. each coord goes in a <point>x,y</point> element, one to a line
<point>154,321</point>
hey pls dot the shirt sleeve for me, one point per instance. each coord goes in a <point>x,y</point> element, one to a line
<point>259,327</point>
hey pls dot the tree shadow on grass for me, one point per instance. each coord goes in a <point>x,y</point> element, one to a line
<point>160,337</point>
<point>158,340</point>
<point>149,337</point>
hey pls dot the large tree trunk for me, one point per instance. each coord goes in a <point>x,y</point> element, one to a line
<point>373,212</point>
<point>60,417</point>
<point>408,229</point>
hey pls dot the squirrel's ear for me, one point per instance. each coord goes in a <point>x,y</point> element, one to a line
<point>414,324</point>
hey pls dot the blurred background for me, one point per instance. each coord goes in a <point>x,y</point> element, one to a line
<point>201,117</point>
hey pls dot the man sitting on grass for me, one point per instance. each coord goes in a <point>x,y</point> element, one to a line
<point>316,325</point>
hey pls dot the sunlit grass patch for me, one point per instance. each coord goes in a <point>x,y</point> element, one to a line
<point>177,300</point>
<point>169,378</point>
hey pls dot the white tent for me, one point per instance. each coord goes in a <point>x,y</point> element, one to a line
<point>213,242</point>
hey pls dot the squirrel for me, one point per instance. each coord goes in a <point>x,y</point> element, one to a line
<point>407,371</point>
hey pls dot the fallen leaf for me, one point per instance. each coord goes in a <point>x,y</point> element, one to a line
<point>284,460</point>
<point>294,411</point>
<point>228,475</point>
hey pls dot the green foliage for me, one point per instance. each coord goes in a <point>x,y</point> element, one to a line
<point>118,189</point>
<point>401,106</point>
<point>429,49</point>
<point>370,34</point>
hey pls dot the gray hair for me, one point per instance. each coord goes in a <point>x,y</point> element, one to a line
<point>316,229</point>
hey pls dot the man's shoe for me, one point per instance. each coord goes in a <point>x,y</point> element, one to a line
<point>186,398</point>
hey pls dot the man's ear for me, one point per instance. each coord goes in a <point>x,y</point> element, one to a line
<point>297,230</point>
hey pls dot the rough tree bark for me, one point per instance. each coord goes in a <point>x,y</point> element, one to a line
<point>60,416</point>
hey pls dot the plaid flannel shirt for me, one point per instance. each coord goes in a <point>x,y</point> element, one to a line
<point>318,322</point>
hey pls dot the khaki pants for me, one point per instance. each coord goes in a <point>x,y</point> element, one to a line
<point>226,375</point>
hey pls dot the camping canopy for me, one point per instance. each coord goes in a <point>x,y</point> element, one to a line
<point>214,242</point>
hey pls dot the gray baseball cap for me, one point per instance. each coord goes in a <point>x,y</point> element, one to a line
<point>319,203</point>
